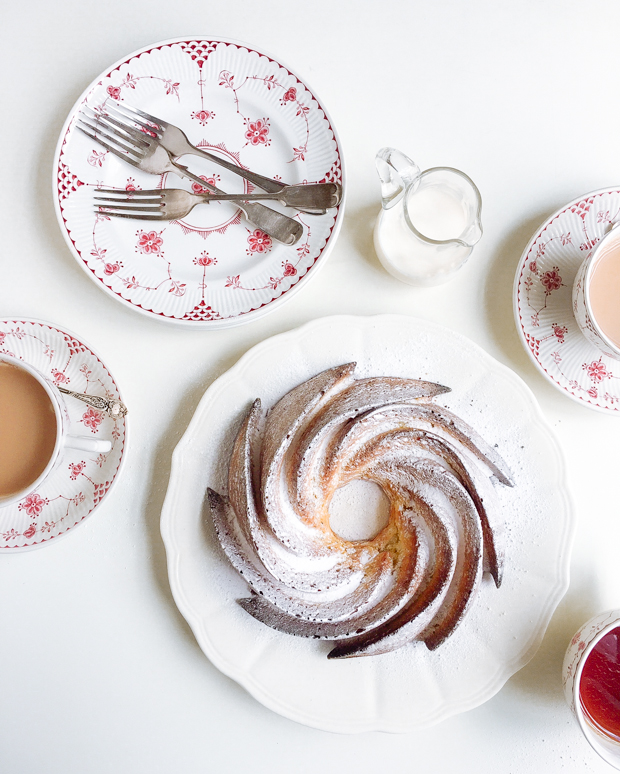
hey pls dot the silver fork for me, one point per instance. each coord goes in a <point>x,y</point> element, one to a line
<point>145,152</point>
<point>176,142</point>
<point>172,204</point>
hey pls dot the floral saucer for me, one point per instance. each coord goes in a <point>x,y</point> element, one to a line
<point>211,269</point>
<point>543,301</point>
<point>82,481</point>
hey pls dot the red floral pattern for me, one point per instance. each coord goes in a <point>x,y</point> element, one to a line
<point>257,132</point>
<point>64,501</point>
<point>596,370</point>
<point>75,469</point>
<point>203,116</point>
<point>149,242</point>
<point>204,259</point>
<point>92,419</point>
<point>33,504</point>
<point>259,242</point>
<point>551,280</point>
<point>547,273</point>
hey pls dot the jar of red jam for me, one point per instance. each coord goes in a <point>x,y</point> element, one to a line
<point>592,683</point>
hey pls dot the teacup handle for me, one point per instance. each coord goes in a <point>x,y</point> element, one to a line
<point>396,172</point>
<point>82,443</point>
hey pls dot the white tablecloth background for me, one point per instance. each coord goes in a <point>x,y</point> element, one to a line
<point>98,670</point>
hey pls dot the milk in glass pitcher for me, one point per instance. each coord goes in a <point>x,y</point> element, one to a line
<point>430,220</point>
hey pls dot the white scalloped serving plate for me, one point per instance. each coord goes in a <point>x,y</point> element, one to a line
<point>412,687</point>
<point>211,269</point>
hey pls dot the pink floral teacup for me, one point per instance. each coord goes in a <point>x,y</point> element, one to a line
<point>582,307</point>
<point>64,440</point>
<point>576,656</point>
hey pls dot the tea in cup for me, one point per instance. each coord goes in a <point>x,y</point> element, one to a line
<point>592,683</point>
<point>596,295</point>
<point>34,430</point>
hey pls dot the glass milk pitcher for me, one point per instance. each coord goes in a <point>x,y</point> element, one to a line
<point>430,220</point>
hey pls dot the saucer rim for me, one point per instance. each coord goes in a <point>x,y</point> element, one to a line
<point>123,458</point>
<point>516,311</point>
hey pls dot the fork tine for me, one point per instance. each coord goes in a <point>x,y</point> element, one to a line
<point>130,207</point>
<point>110,148</point>
<point>146,116</point>
<point>133,134</point>
<point>131,217</point>
<point>155,129</point>
<point>137,152</point>
<point>149,192</point>
<point>128,200</point>
<point>125,133</point>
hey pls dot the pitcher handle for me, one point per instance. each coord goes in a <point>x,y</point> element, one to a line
<point>396,172</point>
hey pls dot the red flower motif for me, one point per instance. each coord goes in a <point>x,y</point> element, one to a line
<point>257,132</point>
<point>559,331</point>
<point>30,532</point>
<point>76,469</point>
<point>59,377</point>
<point>289,270</point>
<point>596,370</point>
<point>203,116</point>
<point>2,337</point>
<point>534,267</point>
<point>131,185</point>
<point>551,280</point>
<point>92,418</point>
<point>259,242</point>
<point>593,392</point>
<point>149,242</point>
<point>114,92</point>
<point>111,268</point>
<point>205,260</point>
<point>33,505</point>
<point>581,645</point>
<point>290,95</point>
<point>200,189</point>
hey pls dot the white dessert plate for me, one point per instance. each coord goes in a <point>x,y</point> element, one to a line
<point>411,687</point>
<point>543,305</point>
<point>83,480</point>
<point>212,269</point>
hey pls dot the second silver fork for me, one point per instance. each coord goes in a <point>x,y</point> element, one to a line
<point>144,151</point>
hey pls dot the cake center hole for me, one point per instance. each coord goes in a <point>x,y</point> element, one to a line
<point>359,510</point>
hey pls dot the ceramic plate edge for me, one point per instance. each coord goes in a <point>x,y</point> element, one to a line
<point>373,724</point>
<point>216,324</point>
<point>515,303</point>
<point>121,465</point>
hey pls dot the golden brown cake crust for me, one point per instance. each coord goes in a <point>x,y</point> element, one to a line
<point>418,577</point>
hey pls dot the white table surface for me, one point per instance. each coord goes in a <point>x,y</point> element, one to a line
<point>98,670</point>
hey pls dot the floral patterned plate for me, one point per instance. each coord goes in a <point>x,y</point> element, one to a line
<point>543,301</point>
<point>212,269</point>
<point>81,482</point>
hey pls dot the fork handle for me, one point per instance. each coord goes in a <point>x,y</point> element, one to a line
<point>279,226</point>
<point>266,183</point>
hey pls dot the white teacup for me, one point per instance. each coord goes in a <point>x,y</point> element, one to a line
<point>582,306</point>
<point>582,644</point>
<point>64,440</point>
